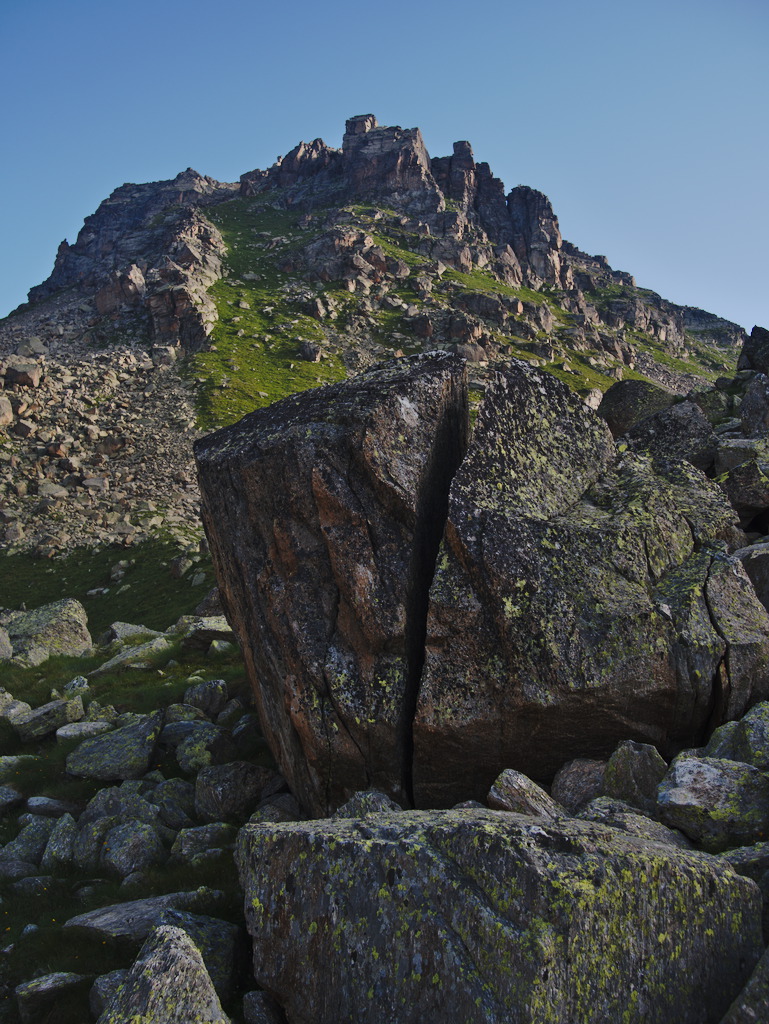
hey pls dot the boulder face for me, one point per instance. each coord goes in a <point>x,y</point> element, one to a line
<point>324,514</point>
<point>579,597</point>
<point>490,917</point>
<point>60,628</point>
<point>578,600</point>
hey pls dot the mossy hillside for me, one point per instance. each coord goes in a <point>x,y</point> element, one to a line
<point>255,359</point>
<point>705,357</point>
<point>149,594</point>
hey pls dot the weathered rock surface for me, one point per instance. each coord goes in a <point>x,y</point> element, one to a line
<point>41,998</point>
<point>577,783</point>
<point>579,599</point>
<point>681,431</point>
<point>48,718</point>
<point>125,753</point>
<point>132,921</point>
<point>629,402</point>
<point>512,791</point>
<point>633,773</point>
<point>715,801</point>
<point>58,628</point>
<point>331,498</point>
<point>230,792</point>
<point>746,740</point>
<point>755,351</point>
<point>752,1004</point>
<point>497,916</point>
<point>168,982</point>
<point>616,814</point>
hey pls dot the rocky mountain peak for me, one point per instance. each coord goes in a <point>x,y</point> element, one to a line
<point>321,266</point>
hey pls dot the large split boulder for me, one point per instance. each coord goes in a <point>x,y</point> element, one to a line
<point>581,597</point>
<point>489,917</point>
<point>321,511</point>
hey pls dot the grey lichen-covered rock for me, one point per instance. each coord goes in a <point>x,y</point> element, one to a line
<point>679,432</point>
<point>199,632</point>
<point>192,842</point>
<point>11,708</point>
<point>11,870</point>
<point>131,847</point>
<point>58,628</point>
<point>755,561</point>
<point>184,713</point>
<point>43,721</point>
<point>59,850</point>
<point>746,740</point>
<point>755,351</point>
<point>261,1008</point>
<point>167,983</point>
<point>120,802</point>
<point>716,802</point>
<point>132,921</point>
<point>29,845</point>
<point>220,943</point>
<point>612,812</point>
<point>230,792</point>
<point>633,773</point>
<point>10,797</point>
<point>752,1004</point>
<point>747,487</point>
<point>496,916</point>
<point>578,782</point>
<point>126,632</point>
<point>512,791</point>
<point>82,730</point>
<point>751,861</point>
<point>133,656</point>
<point>579,599</point>
<point>629,402</point>
<point>125,753</point>
<point>88,842</point>
<point>209,696</point>
<point>204,745</point>
<point>284,807</point>
<point>103,989</point>
<point>754,408</point>
<point>370,801</point>
<point>41,998</point>
<point>331,499</point>
<point>175,800</point>
<point>6,647</point>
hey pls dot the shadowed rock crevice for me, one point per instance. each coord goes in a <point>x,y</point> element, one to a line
<point>448,451</point>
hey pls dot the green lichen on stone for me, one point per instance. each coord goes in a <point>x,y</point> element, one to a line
<point>519,921</point>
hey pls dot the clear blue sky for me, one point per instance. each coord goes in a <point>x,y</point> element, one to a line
<point>645,124</point>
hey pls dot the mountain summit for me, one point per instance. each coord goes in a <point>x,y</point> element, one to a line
<point>303,274</point>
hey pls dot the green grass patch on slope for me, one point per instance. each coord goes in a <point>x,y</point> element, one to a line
<point>148,594</point>
<point>256,356</point>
